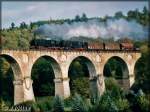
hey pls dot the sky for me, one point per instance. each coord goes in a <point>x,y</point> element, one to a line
<point>18,12</point>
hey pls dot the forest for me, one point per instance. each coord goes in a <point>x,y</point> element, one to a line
<point>114,99</point>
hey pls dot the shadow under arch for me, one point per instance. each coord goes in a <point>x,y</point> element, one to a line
<point>52,71</point>
<point>86,66</point>
<point>117,68</point>
<point>18,94</point>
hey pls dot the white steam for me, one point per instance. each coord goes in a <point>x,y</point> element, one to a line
<point>94,29</point>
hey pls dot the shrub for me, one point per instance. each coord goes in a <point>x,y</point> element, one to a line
<point>143,103</point>
<point>112,100</point>
<point>139,102</point>
<point>118,93</point>
<point>78,104</point>
<point>42,104</point>
<point>58,104</point>
<point>35,108</point>
<point>3,105</point>
<point>67,102</point>
<point>106,103</point>
<point>122,105</point>
<point>80,86</point>
<point>110,83</point>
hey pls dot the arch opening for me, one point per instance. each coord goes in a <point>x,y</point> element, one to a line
<point>116,70</point>
<point>81,70</point>
<point>44,71</point>
<point>139,72</point>
<point>10,72</point>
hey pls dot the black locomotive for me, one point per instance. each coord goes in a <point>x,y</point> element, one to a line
<point>48,44</point>
<point>58,44</point>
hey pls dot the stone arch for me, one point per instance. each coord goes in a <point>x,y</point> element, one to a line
<point>124,82</point>
<point>56,70</point>
<point>92,74</point>
<point>17,78</point>
<point>55,65</point>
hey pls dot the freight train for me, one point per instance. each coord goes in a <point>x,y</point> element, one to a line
<point>45,44</point>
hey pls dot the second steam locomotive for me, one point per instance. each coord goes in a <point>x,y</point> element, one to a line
<point>46,44</point>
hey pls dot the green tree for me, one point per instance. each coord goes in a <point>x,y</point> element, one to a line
<point>84,17</point>
<point>31,25</point>
<point>23,25</point>
<point>43,85</point>
<point>119,15</point>
<point>12,25</point>
<point>130,15</point>
<point>145,10</point>
<point>77,18</point>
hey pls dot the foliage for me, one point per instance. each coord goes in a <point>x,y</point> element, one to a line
<point>23,25</point>
<point>110,83</point>
<point>55,104</point>
<point>44,104</point>
<point>58,104</point>
<point>122,105</point>
<point>143,103</point>
<point>113,68</point>
<point>142,70</point>
<point>43,85</point>
<point>80,86</point>
<point>139,102</point>
<point>16,38</point>
<point>105,102</point>
<point>78,104</point>
<point>3,105</point>
<point>79,78</point>
<point>12,25</point>
<point>6,84</point>
<point>119,15</point>
<point>108,102</point>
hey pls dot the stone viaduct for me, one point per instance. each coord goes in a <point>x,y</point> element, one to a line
<point>23,61</point>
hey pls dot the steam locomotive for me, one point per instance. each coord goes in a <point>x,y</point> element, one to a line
<point>45,44</point>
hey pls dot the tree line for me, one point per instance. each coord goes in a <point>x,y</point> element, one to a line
<point>141,17</point>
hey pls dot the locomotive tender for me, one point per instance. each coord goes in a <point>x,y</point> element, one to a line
<point>46,44</point>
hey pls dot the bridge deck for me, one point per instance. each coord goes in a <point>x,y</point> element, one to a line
<point>47,50</point>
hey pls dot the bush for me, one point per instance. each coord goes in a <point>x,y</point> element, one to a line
<point>3,105</point>
<point>139,102</point>
<point>143,103</point>
<point>35,108</point>
<point>80,86</point>
<point>58,104</point>
<point>122,105</point>
<point>110,83</point>
<point>67,102</point>
<point>106,103</point>
<point>112,100</point>
<point>42,104</point>
<point>78,104</point>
